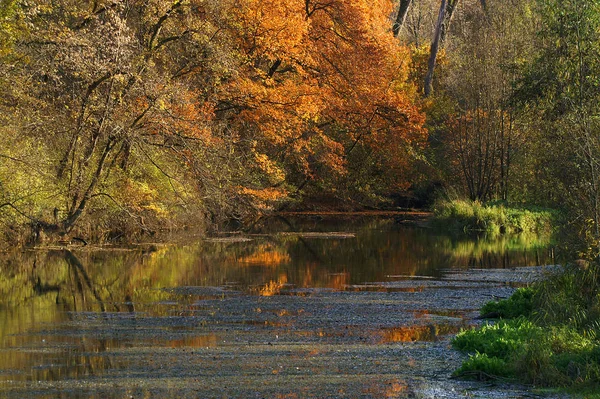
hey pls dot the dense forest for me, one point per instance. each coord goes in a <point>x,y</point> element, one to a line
<point>125,117</point>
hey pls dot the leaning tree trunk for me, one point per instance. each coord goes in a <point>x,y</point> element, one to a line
<point>435,47</point>
<point>401,16</point>
<point>442,26</point>
<point>450,7</point>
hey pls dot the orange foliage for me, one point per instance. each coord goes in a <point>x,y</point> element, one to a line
<point>317,79</point>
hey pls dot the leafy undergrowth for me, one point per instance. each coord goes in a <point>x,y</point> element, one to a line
<point>547,335</point>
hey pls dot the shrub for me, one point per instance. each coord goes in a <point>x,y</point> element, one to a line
<point>562,353</point>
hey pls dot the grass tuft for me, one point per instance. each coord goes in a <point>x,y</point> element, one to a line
<point>519,304</point>
<point>460,215</point>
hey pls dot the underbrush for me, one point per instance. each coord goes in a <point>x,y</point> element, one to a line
<point>547,335</point>
<point>492,218</point>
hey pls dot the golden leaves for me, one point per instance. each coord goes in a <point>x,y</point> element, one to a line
<point>317,78</point>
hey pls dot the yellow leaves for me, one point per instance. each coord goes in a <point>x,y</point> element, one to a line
<point>269,168</point>
<point>140,197</point>
<point>265,195</point>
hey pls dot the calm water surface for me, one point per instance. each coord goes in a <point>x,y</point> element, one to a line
<point>50,298</point>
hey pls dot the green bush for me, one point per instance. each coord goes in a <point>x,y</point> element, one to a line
<point>548,347</point>
<point>571,298</point>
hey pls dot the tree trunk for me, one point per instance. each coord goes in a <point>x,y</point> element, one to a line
<point>450,7</point>
<point>435,47</point>
<point>401,16</point>
<point>77,211</point>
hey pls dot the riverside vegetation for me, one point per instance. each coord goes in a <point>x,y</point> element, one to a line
<point>493,219</point>
<point>547,335</point>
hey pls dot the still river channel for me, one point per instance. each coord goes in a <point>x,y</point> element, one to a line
<point>299,307</point>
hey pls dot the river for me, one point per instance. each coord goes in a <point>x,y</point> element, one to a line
<point>297,307</point>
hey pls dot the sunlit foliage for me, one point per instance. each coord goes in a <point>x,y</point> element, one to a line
<point>119,115</point>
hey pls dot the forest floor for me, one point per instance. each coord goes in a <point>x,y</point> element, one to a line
<point>383,340</point>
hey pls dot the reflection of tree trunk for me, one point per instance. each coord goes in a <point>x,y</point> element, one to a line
<point>302,240</point>
<point>401,16</point>
<point>78,267</point>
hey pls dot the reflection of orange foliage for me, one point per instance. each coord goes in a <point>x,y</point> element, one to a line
<point>273,287</point>
<point>338,281</point>
<point>417,333</point>
<point>387,389</point>
<point>265,256</point>
<point>409,334</point>
<point>203,341</point>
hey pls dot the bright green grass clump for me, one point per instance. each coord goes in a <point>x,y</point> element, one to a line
<point>500,340</point>
<point>519,304</point>
<point>480,366</point>
<point>492,218</point>
<point>521,350</point>
<point>546,336</point>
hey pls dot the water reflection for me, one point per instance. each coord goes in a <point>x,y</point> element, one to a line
<point>42,291</point>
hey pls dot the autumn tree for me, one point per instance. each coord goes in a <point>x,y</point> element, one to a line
<point>321,85</point>
<point>113,106</point>
<point>131,113</point>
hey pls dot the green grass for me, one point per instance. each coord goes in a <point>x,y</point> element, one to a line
<point>519,304</point>
<point>548,335</point>
<point>482,367</point>
<point>499,340</point>
<point>460,215</point>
